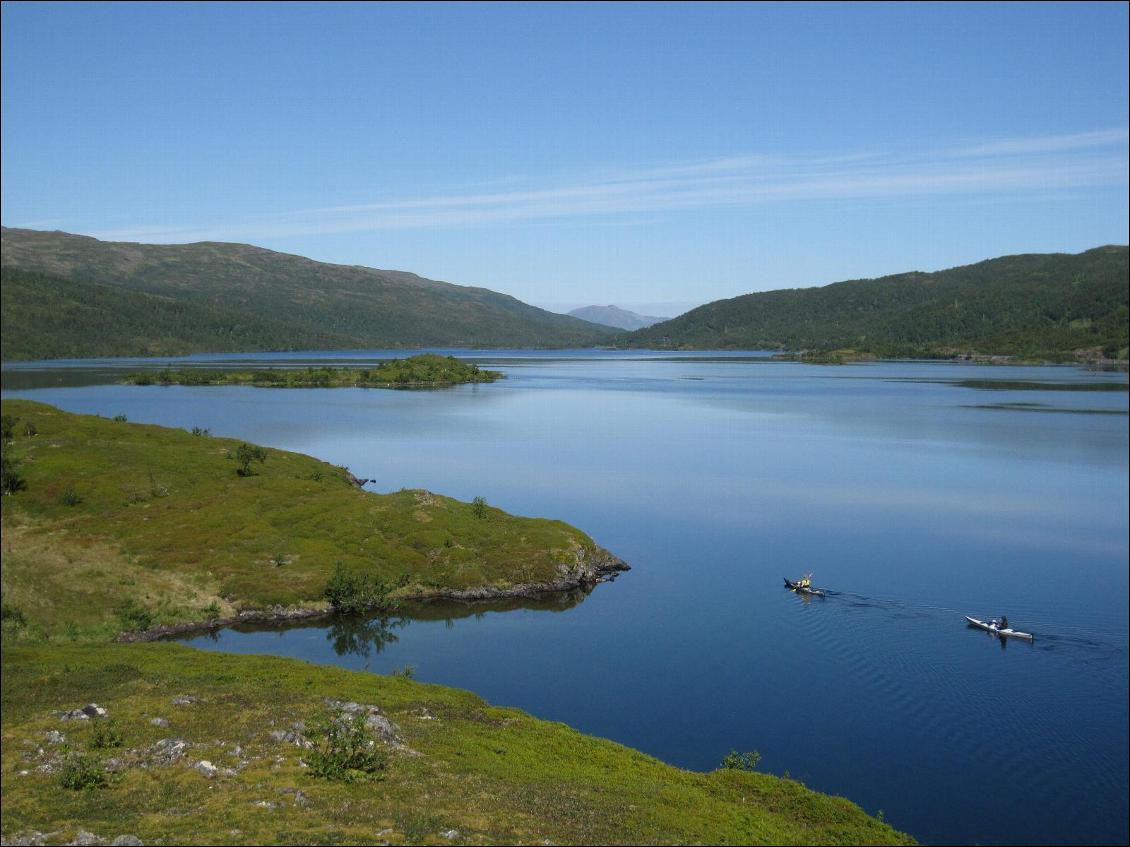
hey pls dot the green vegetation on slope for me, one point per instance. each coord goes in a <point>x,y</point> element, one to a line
<point>123,526</point>
<point>426,370</point>
<point>45,316</point>
<point>83,297</point>
<point>455,770</point>
<point>1034,306</point>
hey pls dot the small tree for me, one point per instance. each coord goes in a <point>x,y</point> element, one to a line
<point>11,480</point>
<point>741,761</point>
<point>479,507</point>
<point>245,454</point>
<point>351,592</point>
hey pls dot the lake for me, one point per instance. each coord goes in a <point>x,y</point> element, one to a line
<point>916,492</point>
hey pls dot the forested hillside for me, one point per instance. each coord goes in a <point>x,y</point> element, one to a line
<point>1043,306</point>
<point>70,295</point>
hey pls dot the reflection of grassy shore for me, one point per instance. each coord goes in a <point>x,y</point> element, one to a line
<point>423,371</point>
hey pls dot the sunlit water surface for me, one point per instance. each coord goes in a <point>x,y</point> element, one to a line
<point>918,492</point>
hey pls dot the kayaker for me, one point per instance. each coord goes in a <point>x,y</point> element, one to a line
<point>1004,621</point>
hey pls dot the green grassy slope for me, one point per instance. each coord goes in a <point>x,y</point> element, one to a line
<point>495,776</point>
<point>44,315</point>
<point>1028,306</point>
<point>164,521</point>
<point>236,296</point>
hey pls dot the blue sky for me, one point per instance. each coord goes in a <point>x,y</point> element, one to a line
<point>569,154</point>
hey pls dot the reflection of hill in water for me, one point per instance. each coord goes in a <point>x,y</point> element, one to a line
<point>361,635</point>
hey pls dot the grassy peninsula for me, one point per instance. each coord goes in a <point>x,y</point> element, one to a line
<point>110,526</point>
<point>120,524</point>
<point>427,370</point>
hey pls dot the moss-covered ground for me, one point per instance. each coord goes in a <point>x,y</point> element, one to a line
<point>160,522</point>
<point>492,775</point>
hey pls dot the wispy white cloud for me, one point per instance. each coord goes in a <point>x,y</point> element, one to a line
<point>1001,166</point>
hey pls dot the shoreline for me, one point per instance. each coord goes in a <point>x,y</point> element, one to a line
<point>605,567</point>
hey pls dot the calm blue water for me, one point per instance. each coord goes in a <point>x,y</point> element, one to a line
<point>917,498</point>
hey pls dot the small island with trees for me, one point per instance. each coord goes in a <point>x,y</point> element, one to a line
<point>428,370</point>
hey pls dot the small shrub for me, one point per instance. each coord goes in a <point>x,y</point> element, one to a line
<point>741,761</point>
<point>212,610</point>
<point>202,432</point>
<point>11,480</point>
<point>344,749</point>
<point>479,507</point>
<point>245,454</point>
<point>278,560</point>
<point>8,426</point>
<point>30,430</point>
<point>134,616</point>
<point>408,672</point>
<point>157,489</point>
<point>12,616</point>
<point>142,379</point>
<point>81,772</point>
<point>70,496</point>
<point>120,418</point>
<point>351,592</point>
<point>106,735</point>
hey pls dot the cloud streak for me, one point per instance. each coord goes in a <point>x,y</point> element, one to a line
<point>1003,166</point>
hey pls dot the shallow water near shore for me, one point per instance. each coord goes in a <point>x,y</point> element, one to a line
<point>916,492</point>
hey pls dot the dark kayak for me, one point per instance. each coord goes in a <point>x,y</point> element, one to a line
<point>800,589</point>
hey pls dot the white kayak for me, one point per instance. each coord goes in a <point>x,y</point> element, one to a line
<point>990,627</point>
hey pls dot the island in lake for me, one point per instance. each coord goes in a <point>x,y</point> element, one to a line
<point>426,370</point>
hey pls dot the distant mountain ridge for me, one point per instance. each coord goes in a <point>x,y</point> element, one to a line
<point>614,316</point>
<point>72,295</point>
<point>1053,306</point>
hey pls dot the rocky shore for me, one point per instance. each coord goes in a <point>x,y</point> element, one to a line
<point>587,570</point>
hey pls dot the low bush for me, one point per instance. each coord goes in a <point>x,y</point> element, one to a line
<point>741,761</point>
<point>81,772</point>
<point>344,749</point>
<point>351,591</point>
<point>134,616</point>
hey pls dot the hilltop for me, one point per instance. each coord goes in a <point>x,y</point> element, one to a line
<point>76,296</point>
<point>1052,306</point>
<point>614,316</point>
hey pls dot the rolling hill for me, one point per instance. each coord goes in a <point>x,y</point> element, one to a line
<point>1054,306</point>
<point>71,295</point>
